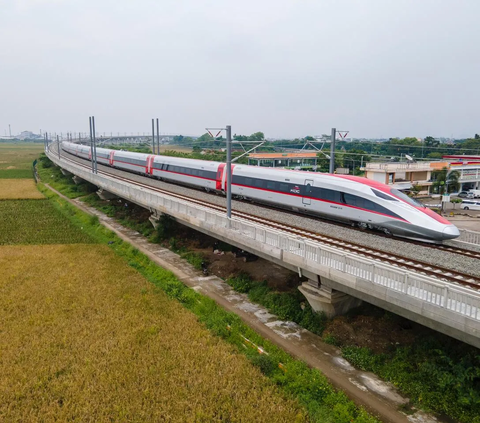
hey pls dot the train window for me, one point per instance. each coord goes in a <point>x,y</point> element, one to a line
<point>329,195</point>
<point>351,200</point>
<point>283,188</point>
<point>259,183</point>
<point>406,198</point>
<point>383,195</point>
<point>370,205</point>
<point>271,185</point>
<point>248,182</point>
<point>308,189</point>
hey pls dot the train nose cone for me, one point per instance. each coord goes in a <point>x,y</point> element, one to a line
<point>451,232</point>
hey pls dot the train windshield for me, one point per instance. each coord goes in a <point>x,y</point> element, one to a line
<point>406,198</point>
<point>384,196</point>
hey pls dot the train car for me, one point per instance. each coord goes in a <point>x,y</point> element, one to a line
<point>84,151</point>
<point>133,162</point>
<point>357,201</point>
<point>198,173</point>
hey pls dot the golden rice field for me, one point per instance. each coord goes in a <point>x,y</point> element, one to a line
<point>16,189</point>
<point>84,337</point>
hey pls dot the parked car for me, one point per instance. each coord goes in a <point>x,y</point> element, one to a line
<point>462,194</point>
<point>474,192</point>
<point>470,205</point>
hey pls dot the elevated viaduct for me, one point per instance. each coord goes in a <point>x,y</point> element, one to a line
<point>337,280</point>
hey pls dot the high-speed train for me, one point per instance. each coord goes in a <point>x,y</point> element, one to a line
<point>351,199</point>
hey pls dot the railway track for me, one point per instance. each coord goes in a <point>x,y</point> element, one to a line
<point>417,266</point>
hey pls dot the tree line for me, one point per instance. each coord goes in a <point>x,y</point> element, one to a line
<point>348,154</point>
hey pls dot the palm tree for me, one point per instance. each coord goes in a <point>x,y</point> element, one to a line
<point>445,181</point>
<point>415,190</point>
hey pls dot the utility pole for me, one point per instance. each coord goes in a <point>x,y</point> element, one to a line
<point>9,130</point>
<point>153,136</point>
<point>158,138</point>
<point>228,129</point>
<point>94,145</point>
<point>332,151</point>
<point>229,171</point>
<point>91,144</point>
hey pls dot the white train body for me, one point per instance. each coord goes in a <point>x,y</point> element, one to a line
<point>340,197</point>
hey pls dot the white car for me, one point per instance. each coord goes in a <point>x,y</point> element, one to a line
<point>470,205</point>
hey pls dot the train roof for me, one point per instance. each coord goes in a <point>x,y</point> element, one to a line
<point>183,160</point>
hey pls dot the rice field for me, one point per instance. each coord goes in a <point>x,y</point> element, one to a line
<point>85,337</point>
<point>14,189</point>
<point>36,222</point>
<point>16,159</point>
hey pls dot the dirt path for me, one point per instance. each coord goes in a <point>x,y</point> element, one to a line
<point>378,397</point>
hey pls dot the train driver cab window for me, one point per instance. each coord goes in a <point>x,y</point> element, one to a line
<point>384,196</point>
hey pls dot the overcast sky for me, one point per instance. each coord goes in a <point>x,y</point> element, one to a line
<point>378,68</point>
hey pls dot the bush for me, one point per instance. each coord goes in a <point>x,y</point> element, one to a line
<point>165,229</point>
<point>287,306</point>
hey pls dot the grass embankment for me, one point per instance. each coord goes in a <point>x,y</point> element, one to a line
<point>85,337</point>
<point>436,372</point>
<point>54,177</point>
<point>296,380</point>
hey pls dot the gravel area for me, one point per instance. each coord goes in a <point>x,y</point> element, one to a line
<point>425,254</point>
